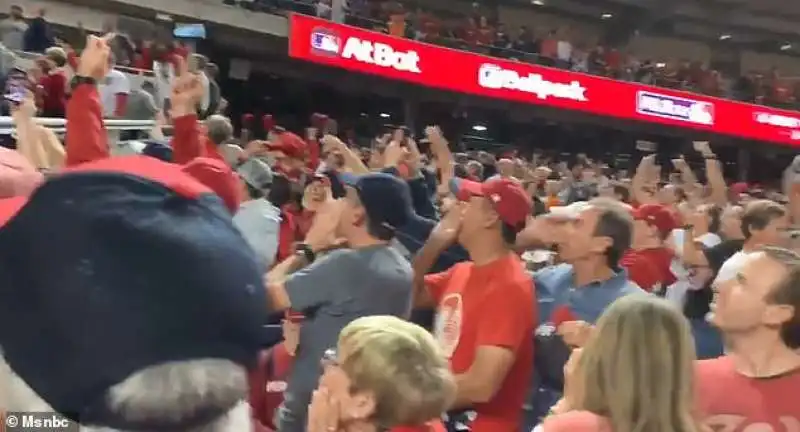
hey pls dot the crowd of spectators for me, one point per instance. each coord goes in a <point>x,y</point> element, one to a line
<point>153,61</point>
<point>557,294</point>
<point>556,47</point>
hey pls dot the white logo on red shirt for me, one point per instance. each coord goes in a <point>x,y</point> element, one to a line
<point>492,76</point>
<point>276,386</point>
<point>447,327</point>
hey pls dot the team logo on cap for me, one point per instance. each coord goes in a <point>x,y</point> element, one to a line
<point>676,108</point>
<point>325,42</point>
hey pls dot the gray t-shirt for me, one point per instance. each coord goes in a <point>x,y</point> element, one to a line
<point>13,33</point>
<point>259,221</point>
<point>140,106</point>
<point>336,289</point>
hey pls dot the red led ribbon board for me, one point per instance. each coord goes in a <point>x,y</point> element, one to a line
<point>363,51</point>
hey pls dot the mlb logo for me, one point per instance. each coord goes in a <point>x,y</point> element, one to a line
<point>325,42</point>
<point>702,112</point>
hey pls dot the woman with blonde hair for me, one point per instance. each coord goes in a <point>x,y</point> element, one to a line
<point>635,373</point>
<point>385,373</point>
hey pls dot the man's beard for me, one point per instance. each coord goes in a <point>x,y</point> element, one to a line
<point>168,392</point>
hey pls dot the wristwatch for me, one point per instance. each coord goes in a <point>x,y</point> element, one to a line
<point>306,252</point>
<point>78,80</point>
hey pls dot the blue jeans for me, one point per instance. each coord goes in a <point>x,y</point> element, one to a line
<point>707,339</point>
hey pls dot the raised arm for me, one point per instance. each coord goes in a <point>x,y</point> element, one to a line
<point>716,181</point>
<point>444,157</point>
<point>27,136</point>
<point>351,160</point>
<point>641,179</point>
<point>186,93</point>
<point>84,112</point>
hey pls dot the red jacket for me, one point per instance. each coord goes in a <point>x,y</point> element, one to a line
<point>85,115</point>
<point>190,141</point>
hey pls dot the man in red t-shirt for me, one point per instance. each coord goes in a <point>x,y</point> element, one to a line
<point>649,259</point>
<point>755,387</point>
<point>268,380</point>
<point>486,310</point>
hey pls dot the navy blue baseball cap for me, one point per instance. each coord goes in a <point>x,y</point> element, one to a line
<point>386,198</point>
<point>115,266</point>
<point>158,149</point>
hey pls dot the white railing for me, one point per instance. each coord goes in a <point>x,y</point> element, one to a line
<point>59,125</point>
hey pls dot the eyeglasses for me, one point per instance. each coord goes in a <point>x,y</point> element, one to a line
<point>330,358</point>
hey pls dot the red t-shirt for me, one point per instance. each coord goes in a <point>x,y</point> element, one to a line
<point>268,382</point>
<point>649,268</point>
<point>485,35</point>
<point>549,48</point>
<point>613,59</point>
<point>54,99</point>
<point>145,60</point>
<point>432,426</point>
<point>731,402</point>
<point>488,305</point>
<point>470,35</point>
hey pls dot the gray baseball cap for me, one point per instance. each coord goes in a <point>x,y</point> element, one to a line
<point>255,173</point>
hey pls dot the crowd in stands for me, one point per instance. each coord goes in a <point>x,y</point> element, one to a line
<point>556,47</point>
<point>418,291</point>
<point>49,76</point>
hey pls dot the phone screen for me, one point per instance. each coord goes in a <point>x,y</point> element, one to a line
<point>16,87</point>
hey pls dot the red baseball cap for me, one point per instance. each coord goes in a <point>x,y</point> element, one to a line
<point>509,199</point>
<point>289,144</point>
<point>658,216</point>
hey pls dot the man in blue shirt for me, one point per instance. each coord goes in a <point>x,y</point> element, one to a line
<point>590,238</point>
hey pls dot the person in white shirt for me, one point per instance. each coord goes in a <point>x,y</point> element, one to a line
<point>564,51</point>
<point>114,90</point>
<point>764,223</point>
<point>198,64</point>
<point>324,9</point>
<point>705,223</point>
